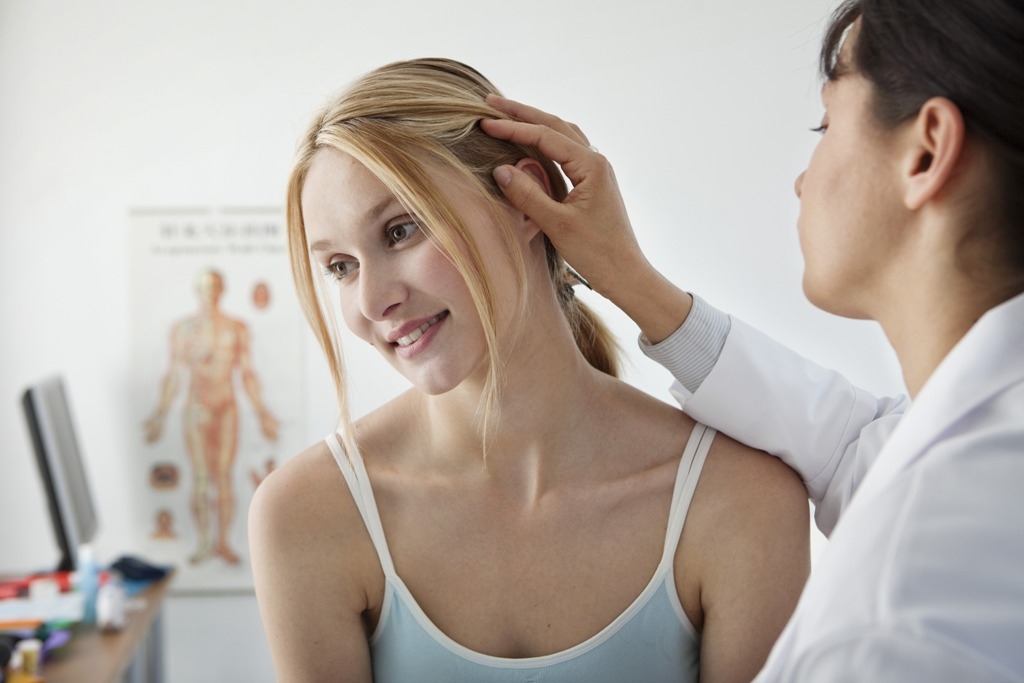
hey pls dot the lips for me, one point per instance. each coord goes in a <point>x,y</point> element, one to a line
<point>413,335</point>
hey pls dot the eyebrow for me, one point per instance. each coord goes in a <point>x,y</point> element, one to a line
<point>372,214</point>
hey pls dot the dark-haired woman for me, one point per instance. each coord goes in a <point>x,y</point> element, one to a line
<point>912,214</point>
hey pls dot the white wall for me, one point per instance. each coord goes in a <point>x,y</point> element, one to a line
<point>702,106</point>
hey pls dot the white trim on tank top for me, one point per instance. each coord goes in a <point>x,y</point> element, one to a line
<point>690,465</point>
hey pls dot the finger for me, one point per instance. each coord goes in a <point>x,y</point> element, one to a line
<point>550,143</point>
<point>572,156</point>
<point>524,112</point>
<point>526,195</point>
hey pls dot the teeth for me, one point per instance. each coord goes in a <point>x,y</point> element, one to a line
<point>418,332</point>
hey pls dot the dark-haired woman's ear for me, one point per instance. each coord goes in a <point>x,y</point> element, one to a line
<point>937,143</point>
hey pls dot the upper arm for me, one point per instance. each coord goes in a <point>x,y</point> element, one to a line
<point>242,346</point>
<point>745,556</point>
<point>894,654</point>
<point>177,350</point>
<point>767,396</point>
<point>311,572</point>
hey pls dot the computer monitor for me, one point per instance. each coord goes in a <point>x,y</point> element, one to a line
<point>61,467</point>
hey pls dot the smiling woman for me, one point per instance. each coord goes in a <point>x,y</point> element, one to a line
<point>441,103</point>
<point>518,512</point>
<point>364,239</point>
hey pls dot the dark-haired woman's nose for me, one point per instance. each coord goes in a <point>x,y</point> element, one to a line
<point>798,184</point>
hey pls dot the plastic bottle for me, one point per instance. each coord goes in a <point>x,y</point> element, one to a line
<point>88,581</point>
<point>110,603</point>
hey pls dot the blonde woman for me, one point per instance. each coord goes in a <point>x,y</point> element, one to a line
<point>519,513</point>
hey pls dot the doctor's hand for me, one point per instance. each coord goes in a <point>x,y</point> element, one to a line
<point>590,228</point>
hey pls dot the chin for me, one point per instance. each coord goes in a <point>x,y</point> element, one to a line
<point>439,381</point>
<point>434,388</point>
<point>833,299</point>
<point>433,383</point>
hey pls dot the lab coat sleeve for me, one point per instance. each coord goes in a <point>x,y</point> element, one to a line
<point>769,397</point>
<point>891,655</point>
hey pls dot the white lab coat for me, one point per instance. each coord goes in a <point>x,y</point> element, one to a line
<point>923,579</point>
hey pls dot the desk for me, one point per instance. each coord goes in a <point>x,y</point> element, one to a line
<point>132,655</point>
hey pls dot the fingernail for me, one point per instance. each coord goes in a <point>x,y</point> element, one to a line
<point>503,175</point>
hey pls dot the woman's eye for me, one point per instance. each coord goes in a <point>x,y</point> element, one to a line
<point>400,232</point>
<point>341,269</point>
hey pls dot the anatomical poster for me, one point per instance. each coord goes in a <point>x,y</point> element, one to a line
<point>216,383</point>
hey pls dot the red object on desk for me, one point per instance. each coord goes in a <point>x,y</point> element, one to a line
<point>13,589</point>
<point>18,588</point>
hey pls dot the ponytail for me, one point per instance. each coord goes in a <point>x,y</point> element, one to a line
<point>593,338</point>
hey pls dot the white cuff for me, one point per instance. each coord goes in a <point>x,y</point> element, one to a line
<point>690,353</point>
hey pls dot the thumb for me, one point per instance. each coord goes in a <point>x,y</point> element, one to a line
<point>524,192</point>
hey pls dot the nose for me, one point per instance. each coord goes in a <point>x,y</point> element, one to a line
<point>798,185</point>
<point>380,292</point>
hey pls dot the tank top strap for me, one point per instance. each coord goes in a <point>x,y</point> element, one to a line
<point>354,471</point>
<point>690,466</point>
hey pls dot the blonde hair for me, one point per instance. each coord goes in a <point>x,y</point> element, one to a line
<point>404,122</point>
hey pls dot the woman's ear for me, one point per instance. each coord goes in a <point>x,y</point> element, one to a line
<point>937,146</point>
<point>535,170</point>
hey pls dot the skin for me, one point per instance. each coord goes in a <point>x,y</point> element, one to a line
<point>568,515</point>
<point>893,252</point>
<point>209,347</point>
<point>376,274</point>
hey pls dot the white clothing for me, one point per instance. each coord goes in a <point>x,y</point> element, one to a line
<point>924,577</point>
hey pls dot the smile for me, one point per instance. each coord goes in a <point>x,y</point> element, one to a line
<point>413,336</point>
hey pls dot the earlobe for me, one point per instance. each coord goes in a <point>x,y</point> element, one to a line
<point>938,140</point>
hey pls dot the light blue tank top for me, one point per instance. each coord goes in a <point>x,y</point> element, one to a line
<point>652,641</point>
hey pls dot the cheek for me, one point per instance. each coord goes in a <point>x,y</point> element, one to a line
<point>815,173</point>
<point>816,226</point>
<point>818,192</point>
<point>440,275</point>
<point>352,315</point>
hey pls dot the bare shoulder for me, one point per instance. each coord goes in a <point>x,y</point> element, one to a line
<point>238,326</point>
<point>744,556</point>
<point>745,499</point>
<point>748,481</point>
<point>749,510</point>
<point>305,512</point>
<point>307,492</point>
<point>314,566</point>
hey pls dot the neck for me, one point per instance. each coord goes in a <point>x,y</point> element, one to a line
<point>928,313</point>
<point>545,400</point>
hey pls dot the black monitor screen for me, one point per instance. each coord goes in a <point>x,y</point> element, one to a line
<point>61,467</point>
